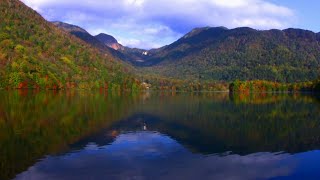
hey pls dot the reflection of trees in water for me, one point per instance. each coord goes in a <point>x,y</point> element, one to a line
<point>213,125</point>
<point>35,124</point>
<point>263,98</point>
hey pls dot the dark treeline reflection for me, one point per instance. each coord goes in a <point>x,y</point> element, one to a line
<point>237,123</point>
<point>36,124</point>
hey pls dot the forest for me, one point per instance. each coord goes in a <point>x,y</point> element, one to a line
<point>221,54</point>
<point>36,54</point>
<point>269,86</point>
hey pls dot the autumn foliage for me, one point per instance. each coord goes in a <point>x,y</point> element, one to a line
<point>268,86</point>
<point>34,54</point>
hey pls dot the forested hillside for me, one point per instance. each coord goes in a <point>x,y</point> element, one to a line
<point>291,55</point>
<point>221,54</point>
<point>36,54</point>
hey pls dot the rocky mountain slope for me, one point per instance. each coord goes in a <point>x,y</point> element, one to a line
<point>109,41</point>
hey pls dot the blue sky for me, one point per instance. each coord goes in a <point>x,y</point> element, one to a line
<point>154,23</point>
<point>306,11</point>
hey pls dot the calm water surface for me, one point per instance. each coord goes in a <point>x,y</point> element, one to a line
<point>96,135</point>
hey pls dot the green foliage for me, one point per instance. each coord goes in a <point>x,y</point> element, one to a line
<point>19,49</point>
<point>115,88</point>
<point>219,54</point>
<point>35,52</point>
<point>170,84</point>
<point>268,86</point>
<point>4,36</point>
<point>7,44</point>
<point>134,87</point>
<point>14,79</point>
<point>67,60</point>
<point>53,77</point>
<point>14,66</point>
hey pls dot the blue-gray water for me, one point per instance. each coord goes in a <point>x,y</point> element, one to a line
<point>96,135</point>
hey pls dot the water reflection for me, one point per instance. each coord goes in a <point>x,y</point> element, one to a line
<point>150,155</point>
<point>90,135</point>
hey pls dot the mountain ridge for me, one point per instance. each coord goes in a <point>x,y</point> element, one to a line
<point>81,34</point>
<point>105,43</point>
<point>244,53</point>
<point>219,53</point>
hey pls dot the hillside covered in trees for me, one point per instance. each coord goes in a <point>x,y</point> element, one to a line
<point>291,55</point>
<point>105,43</point>
<point>36,54</point>
<point>221,54</point>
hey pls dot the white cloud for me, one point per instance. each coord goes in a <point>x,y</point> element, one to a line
<point>160,22</point>
<point>137,3</point>
<point>138,43</point>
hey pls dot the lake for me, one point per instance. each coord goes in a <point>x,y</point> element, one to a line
<point>98,135</point>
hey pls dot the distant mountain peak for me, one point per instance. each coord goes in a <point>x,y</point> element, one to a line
<point>195,31</point>
<point>109,41</point>
<point>199,30</point>
<point>222,27</point>
<point>106,38</point>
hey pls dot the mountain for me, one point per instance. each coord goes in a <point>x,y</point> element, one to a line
<point>133,55</point>
<point>109,41</point>
<point>218,53</point>
<point>36,54</point>
<point>222,54</point>
<point>94,41</point>
<point>105,43</point>
<point>80,33</point>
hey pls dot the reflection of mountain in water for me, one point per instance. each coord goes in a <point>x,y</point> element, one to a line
<point>150,155</point>
<point>207,123</point>
<point>256,132</point>
<point>284,123</point>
